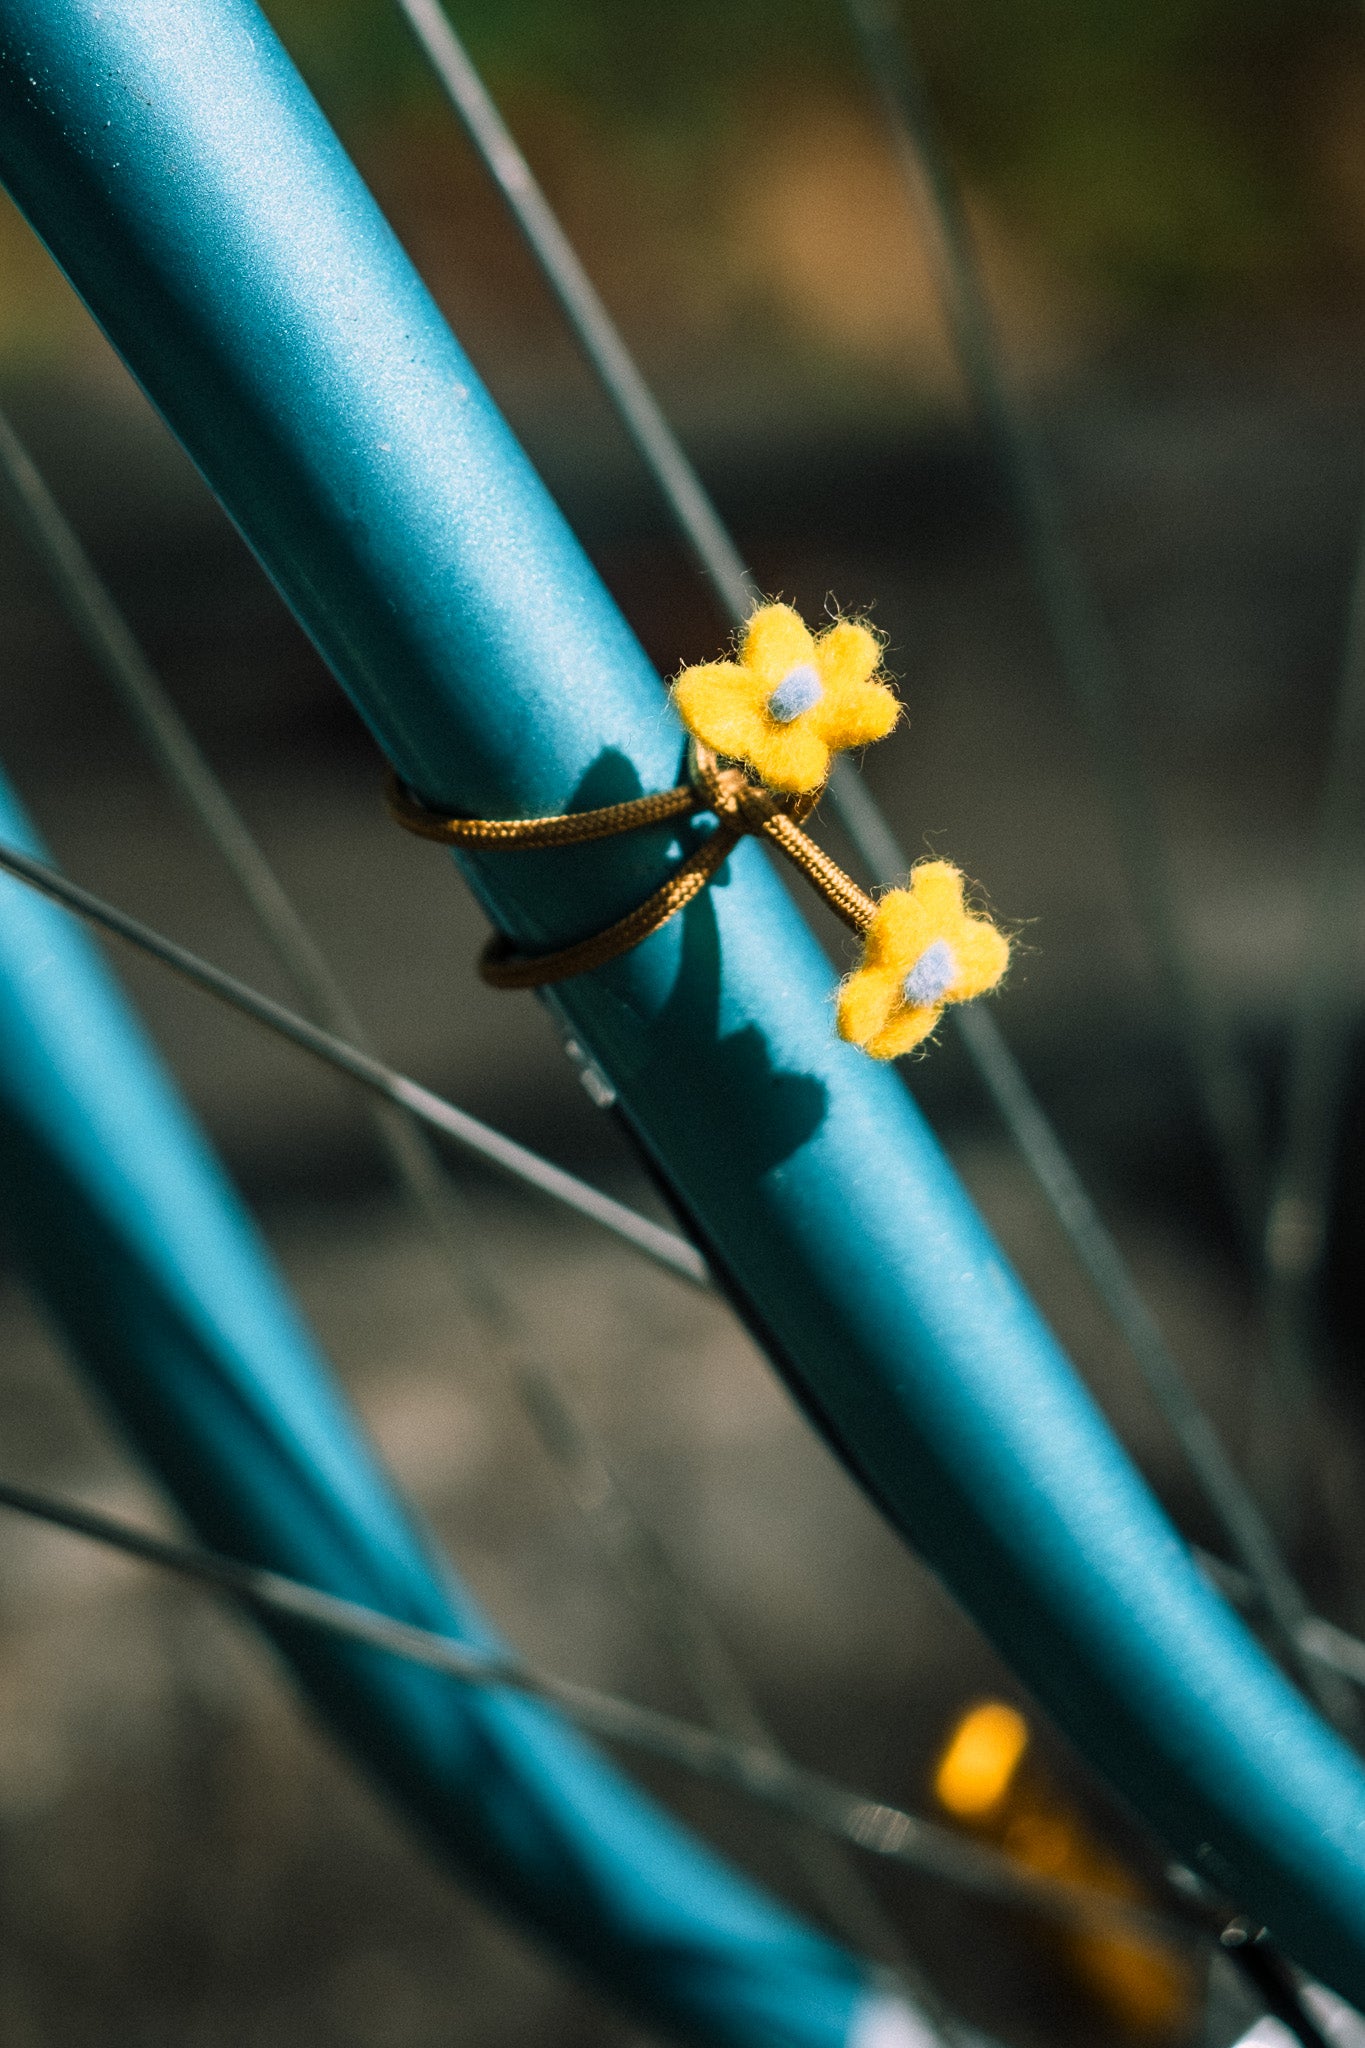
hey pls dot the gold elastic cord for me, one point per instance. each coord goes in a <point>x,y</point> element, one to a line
<point>741,807</point>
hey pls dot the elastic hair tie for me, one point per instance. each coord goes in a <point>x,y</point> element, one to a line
<point>778,715</point>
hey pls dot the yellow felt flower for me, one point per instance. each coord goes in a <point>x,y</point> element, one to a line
<point>790,701</point>
<point>923,950</point>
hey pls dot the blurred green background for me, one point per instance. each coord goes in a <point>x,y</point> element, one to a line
<point>1189,159</point>
<point>1187,152</point>
<point>1170,205</point>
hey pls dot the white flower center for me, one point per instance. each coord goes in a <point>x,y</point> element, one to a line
<point>932,975</point>
<point>799,690</point>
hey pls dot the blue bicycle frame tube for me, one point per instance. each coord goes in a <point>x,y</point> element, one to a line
<point>179,170</point>
<point>149,1265</point>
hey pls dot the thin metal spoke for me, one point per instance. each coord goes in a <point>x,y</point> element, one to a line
<point>713,547</point>
<point>1331,1647</point>
<point>885,860</point>
<point>757,1773</point>
<point>1090,663</point>
<point>848,1902</point>
<point>115,649</point>
<point>1319,1050</point>
<point>1248,1532</point>
<point>479,1139</point>
<point>91,609</point>
<point>1085,650</point>
<point>655,1584</point>
<point>696,516</point>
<point>873,1825</point>
<point>1297,1226</point>
<point>757,1769</point>
<point>1245,1527</point>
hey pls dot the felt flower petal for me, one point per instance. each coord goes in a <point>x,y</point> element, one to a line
<point>790,701</point>
<point>930,917</point>
<point>720,703</point>
<point>866,1000</point>
<point>857,716</point>
<point>775,641</point>
<point>898,934</point>
<point>983,955</point>
<point>848,654</point>
<point>907,1029</point>
<point>791,758</point>
<point>937,889</point>
<point>855,710</point>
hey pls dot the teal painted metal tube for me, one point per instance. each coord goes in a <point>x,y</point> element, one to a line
<point>151,1269</point>
<point>178,169</point>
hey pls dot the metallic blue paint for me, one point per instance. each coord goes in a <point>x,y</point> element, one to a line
<point>157,1279</point>
<point>180,172</point>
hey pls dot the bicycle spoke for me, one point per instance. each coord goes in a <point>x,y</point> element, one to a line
<point>1319,1049</point>
<point>106,633</point>
<point>1085,650</point>
<point>1246,1528</point>
<point>1089,661</point>
<point>977,1350</point>
<point>754,1771</point>
<point>868,1824</point>
<point>1030,1131</point>
<point>873,1826</point>
<point>479,1139</point>
<point>1331,1647</point>
<point>686,496</point>
<point>634,1551</point>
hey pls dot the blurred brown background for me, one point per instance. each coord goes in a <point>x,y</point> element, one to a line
<point>1170,205</point>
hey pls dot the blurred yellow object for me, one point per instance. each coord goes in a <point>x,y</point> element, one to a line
<point>975,1769</point>
<point>982,1780</point>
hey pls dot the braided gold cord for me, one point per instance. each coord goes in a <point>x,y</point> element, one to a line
<point>503,967</point>
<point>856,908</point>
<point>741,807</point>
<point>568,828</point>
